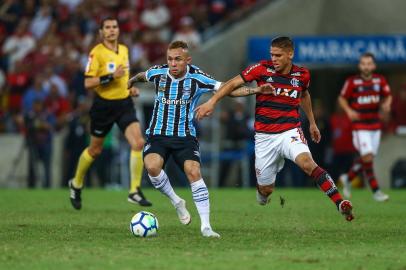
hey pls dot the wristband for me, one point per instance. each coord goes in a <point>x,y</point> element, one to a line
<point>106,79</point>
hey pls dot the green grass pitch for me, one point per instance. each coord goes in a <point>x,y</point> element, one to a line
<point>40,230</point>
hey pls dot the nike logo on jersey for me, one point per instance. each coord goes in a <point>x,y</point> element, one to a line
<point>98,131</point>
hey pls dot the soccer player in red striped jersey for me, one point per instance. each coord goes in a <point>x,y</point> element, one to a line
<point>363,97</point>
<point>277,125</point>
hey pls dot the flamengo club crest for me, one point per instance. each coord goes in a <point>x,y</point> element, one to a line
<point>294,82</point>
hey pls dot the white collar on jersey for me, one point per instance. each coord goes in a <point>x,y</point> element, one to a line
<point>178,79</point>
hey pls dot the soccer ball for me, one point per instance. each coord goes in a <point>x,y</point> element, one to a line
<point>144,224</point>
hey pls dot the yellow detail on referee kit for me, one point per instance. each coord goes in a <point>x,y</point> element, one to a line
<point>103,61</point>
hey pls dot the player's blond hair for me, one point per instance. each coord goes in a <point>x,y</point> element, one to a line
<point>178,44</point>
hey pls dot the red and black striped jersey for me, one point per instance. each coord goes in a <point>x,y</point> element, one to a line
<point>276,114</point>
<point>364,96</point>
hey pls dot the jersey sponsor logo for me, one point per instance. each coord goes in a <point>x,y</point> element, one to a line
<point>294,82</point>
<point>111,67</point>
<point>368,99</point>
<point>296,74</point>
<point>250,69</point>
<point>357,81</point>
<point>168,101</point>
<point>376,87</point>
<point>287,92</point>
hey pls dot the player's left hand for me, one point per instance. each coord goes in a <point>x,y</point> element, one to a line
<point>204,110</point>
<point>134,91</point>
<point>315,133</point>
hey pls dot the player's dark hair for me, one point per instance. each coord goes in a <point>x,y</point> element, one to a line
<point>178,44</point>
<point>110,18</point>
<point>368,55</point>
<point>283,42</point>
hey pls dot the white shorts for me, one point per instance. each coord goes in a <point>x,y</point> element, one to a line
<point>366,141</point>
<point>271,151</point>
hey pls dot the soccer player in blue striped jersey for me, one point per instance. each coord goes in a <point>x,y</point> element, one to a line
<point>178,86</point>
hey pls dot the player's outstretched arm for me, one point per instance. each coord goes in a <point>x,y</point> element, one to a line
<point>242,91</point>
<point>306,105</point>
<point>139,77</point>
<point>206,109</point>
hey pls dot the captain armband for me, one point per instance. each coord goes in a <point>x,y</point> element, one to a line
<point>106,79</point>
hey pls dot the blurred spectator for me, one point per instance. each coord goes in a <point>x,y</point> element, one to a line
<point>138,55</point>
<point>71,4</point>
<point>398,119</point>
<point>155,47</point>
<point>41,22</point>
<point>58,106</point>
<point>156,16</point>
<point>39,126</point>
<point>219,9</point>
<point>10,11</point>
<point>343,149</point>
<point>320,151</point>
<point>52,78</point>
<point>34,93</point>
<point>77,137</point>
<point>188,33</point>
<point>17,81</point>
<point>18,45</point>
<point>237,134</point>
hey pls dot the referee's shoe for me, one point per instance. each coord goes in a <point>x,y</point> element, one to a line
<point>75,198</point>
<point>138,198</point>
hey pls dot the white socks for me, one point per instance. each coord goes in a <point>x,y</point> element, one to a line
<point>201,197</point>
<point>161,182</point>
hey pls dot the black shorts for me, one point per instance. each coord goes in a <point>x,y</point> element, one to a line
<point>181,148</point>
<point>104,113</point>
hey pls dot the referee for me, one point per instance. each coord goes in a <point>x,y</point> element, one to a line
<point>107,74</point>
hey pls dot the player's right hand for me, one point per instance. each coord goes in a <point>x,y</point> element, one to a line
<point>204,110</point>
<point>353,115</point>
<point>119,72</point>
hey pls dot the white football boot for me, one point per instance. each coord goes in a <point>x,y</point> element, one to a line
<point>183,213</point>
<point>208,232</point>
<point>379,196</point>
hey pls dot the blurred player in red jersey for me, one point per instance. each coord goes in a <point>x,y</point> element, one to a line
<point>362,98</point>
<point>277,125</point>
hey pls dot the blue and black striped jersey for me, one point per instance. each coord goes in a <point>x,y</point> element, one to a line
<point>175,99</point>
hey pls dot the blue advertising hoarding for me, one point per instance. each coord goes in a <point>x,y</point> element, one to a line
<point>335,49</point>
